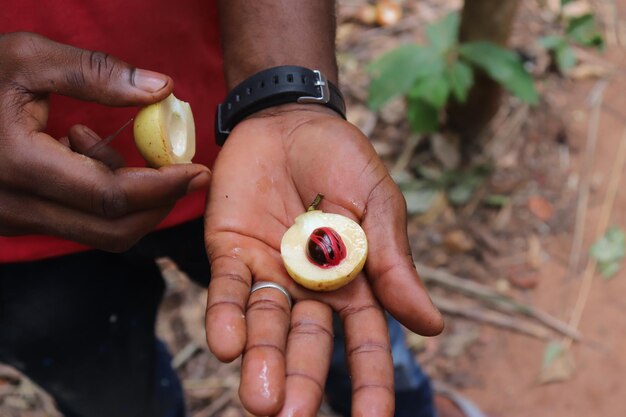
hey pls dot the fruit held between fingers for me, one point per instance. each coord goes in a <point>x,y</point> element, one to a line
<point>165,132</point>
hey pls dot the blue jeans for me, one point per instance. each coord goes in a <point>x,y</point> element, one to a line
<point>82,327</point>
<point>414,396</point>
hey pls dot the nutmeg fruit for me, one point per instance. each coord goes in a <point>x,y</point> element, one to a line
<point>324,251</point>
<point>165,132</point>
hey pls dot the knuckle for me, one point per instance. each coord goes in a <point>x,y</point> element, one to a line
<point>98,69</point>
<point>101,65</point>
<point>373,387</point>
<point>267,305</point>
<point>18,50</point>
<point>353,310</point>
<point>235,279</point>
<point>18,46</point>
<point>265,346</point>
<point>303,328</point>
<point>76,76</point>
<point>369,348</point>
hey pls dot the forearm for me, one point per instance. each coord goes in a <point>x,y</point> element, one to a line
<point>261,34</point>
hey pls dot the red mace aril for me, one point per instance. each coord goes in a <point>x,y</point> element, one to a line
<point>325,247</point>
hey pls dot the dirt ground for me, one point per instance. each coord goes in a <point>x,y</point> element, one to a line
<point>507,365</point>
<point>510,250</point>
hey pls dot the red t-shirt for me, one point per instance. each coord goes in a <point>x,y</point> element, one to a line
<point>177,38</point>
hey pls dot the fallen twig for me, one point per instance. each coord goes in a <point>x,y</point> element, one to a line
<point>216,380</point>
<point>216,406</point>
<point>407,153</point>
<point>468,408</point>
<point>603,224</point>
<point>499,301</point>
<point>491,317</point>
<point>596,100</point>
<point>185,354</point>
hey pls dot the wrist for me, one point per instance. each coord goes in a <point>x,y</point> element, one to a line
<point>291,108</point>
<point>272,88</point>
<point>267,33</point>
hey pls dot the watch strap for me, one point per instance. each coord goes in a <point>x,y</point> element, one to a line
<point>272,87</point>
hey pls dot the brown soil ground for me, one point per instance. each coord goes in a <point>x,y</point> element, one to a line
<point>507,365</point>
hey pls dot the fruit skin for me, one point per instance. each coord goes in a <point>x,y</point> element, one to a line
<point>303,271</point>
<point>158,125</point>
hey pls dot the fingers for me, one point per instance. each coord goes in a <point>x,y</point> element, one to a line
<point>82,139</point>
<point>262,389</point>
<point>390,267</point>
<point>41,66</point>
<point>369,355</point>
<point>309,349</point>
<point>43,216</point>
<point>227,298</point>
<point>44,167</point>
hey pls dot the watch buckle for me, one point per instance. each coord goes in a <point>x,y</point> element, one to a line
<point>218,121</point>
<point>324,96</point>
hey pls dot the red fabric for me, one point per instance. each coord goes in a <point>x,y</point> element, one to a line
<point>178,38</point>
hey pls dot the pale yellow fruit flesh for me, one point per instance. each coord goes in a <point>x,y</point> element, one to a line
<point>306,273</point>
<point>165,132</point>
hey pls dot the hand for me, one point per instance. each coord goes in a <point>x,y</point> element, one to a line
<point>46,185</point>
<point>269,171</point>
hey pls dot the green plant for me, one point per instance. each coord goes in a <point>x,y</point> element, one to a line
<point>609,251</point>
<point>579,30</point>
<point>429,75</point>
<point>458,186</point>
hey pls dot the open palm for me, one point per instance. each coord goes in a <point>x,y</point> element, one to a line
<point>271,168</point>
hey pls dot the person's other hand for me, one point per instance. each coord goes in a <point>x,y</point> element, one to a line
<point>270,169</point>
<point>47,185</point>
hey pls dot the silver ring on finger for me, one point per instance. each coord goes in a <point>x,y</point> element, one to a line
<point>268,284</point>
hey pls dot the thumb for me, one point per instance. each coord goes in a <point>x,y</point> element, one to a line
<point>390,267</point>
<point>44,66</point>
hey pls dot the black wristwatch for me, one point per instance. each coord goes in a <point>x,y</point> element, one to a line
<point>272,87</point>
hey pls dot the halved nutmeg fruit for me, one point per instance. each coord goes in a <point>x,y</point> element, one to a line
<point>323,251</point>
<point>165,132</point>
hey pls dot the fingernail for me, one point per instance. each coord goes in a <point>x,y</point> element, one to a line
<point>200,181</point>
<point>149,81</point>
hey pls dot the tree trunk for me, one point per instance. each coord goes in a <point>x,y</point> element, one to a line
<point>482,20</point>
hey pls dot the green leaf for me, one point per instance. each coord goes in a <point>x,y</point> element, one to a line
<point>434,90</point>
<point>423,116</point>
<point>552,352</point>
<point>610,247</point>
<point>552,42</point>
<point>564,55</point>
<point>564,2</point>
<point>443,34</point>
<point>503,66</point>
<point>565,58</point>
<point>558,364</point>
<point>583,29</point>
<point>419,201</point>
<point>461,78</point>
<point>460,193</point>
<point>496,200</point>
<point>433,175</point>
<point>396,71</point>
<point>609,251</point>
<point>609,269</point>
